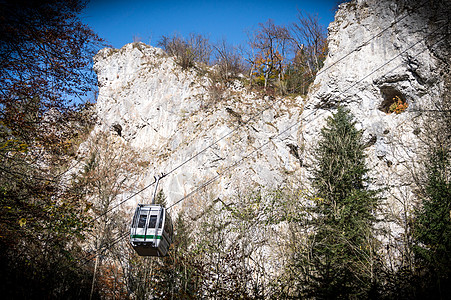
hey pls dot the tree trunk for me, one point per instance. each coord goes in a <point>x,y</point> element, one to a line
<point>94,277</point>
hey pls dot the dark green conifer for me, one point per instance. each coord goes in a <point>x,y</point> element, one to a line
<point>341,262</point>
<point>432,230</point>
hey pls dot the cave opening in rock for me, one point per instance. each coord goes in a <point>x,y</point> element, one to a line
<point>394,101</point>
<point>117,128</point>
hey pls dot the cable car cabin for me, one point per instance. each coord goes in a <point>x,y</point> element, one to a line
<point>151,230</point>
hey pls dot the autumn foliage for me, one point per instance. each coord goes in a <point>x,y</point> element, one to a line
<point>287,57</point>
<point>45,55</point>
<point>398,106</point>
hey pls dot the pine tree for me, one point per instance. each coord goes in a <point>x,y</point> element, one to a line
<point>341,256</point>
<point>432,230</point>
<point>176,276</point>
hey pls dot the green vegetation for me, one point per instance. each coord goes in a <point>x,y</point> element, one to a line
<point>342,248</point>
<point>46,55</point>
<point>62,228</point>
<point>432,230</point>
<point>281,59</point>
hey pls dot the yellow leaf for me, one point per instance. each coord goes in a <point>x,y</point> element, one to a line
<point>22,222</point>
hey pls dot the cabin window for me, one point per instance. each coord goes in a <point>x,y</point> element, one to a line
<point>152,221</point>
<point>135,216</point>
<point>142,221</point>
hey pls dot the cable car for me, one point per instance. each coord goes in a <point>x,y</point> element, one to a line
<point>151,230</point>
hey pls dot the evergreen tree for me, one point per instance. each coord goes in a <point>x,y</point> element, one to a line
<point>432,230</point>
<point>177,275</point>
<point>341,249</point>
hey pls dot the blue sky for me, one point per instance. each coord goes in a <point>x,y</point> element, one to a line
<point>118,21</point>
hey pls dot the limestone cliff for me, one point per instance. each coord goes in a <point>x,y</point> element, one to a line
<point>378,50</point>
<point>381,51</point>
<point>184,131</point>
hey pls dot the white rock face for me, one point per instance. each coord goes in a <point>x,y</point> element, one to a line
<point>378,49</point>
<point>182,131</point>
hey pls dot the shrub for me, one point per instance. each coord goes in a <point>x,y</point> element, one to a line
<point>188,51</point>
<point>398,106</point>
